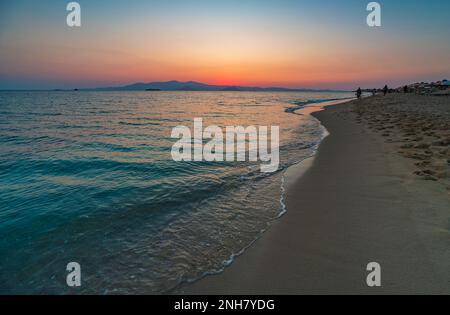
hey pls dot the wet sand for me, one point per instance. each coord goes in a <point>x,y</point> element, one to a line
<point>365,199</point>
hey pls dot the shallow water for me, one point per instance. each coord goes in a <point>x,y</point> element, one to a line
<point>88,177</point>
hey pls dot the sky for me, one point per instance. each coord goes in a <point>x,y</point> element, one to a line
<point>286,43</point>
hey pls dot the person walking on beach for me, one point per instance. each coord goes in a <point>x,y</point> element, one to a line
<point>385,90</point>
<point>374,92</point>
<point>358,93</point>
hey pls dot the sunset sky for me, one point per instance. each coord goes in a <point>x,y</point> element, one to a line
<point>318,44</point>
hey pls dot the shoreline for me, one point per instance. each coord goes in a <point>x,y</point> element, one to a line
<point>373,211</point>
<point>296,171</point>
<point>290,175</point>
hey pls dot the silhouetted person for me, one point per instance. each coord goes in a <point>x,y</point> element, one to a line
<point>385,90</point>
<point>405,89</point>
<point>358,93</point>
<point>374,92</point>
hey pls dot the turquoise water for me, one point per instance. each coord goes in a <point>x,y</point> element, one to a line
<point>88,177</point>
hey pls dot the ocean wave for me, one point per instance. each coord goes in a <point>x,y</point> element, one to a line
<point>117,202</point>
<point>301,104</point>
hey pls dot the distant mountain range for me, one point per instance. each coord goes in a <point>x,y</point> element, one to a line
<point>197,86</point>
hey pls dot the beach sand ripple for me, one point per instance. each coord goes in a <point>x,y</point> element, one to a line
<point>420,125</point>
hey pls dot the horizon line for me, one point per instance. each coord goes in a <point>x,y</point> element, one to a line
<point>287,89</point>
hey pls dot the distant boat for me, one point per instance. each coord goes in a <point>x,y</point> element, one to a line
<point>152,90</point>
<point>76,90</point>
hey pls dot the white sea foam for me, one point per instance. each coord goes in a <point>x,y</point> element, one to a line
<point>283,187</point>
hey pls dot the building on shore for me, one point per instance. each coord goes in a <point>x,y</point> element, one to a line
<point>426,88</point>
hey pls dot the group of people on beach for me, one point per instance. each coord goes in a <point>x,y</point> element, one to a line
<point>385,90</point>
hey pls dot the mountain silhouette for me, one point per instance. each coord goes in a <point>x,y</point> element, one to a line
<point>196,86</point>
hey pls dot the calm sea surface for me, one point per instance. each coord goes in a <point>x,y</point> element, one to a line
<point>88,177</point>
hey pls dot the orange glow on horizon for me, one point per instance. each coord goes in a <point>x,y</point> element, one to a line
<point>218,51</point>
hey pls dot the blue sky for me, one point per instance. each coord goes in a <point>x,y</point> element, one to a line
<point>324,44</point>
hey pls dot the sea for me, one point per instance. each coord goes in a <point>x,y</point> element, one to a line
<point>88,177</point>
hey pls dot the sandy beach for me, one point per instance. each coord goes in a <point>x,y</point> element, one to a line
<point>377,191</point>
